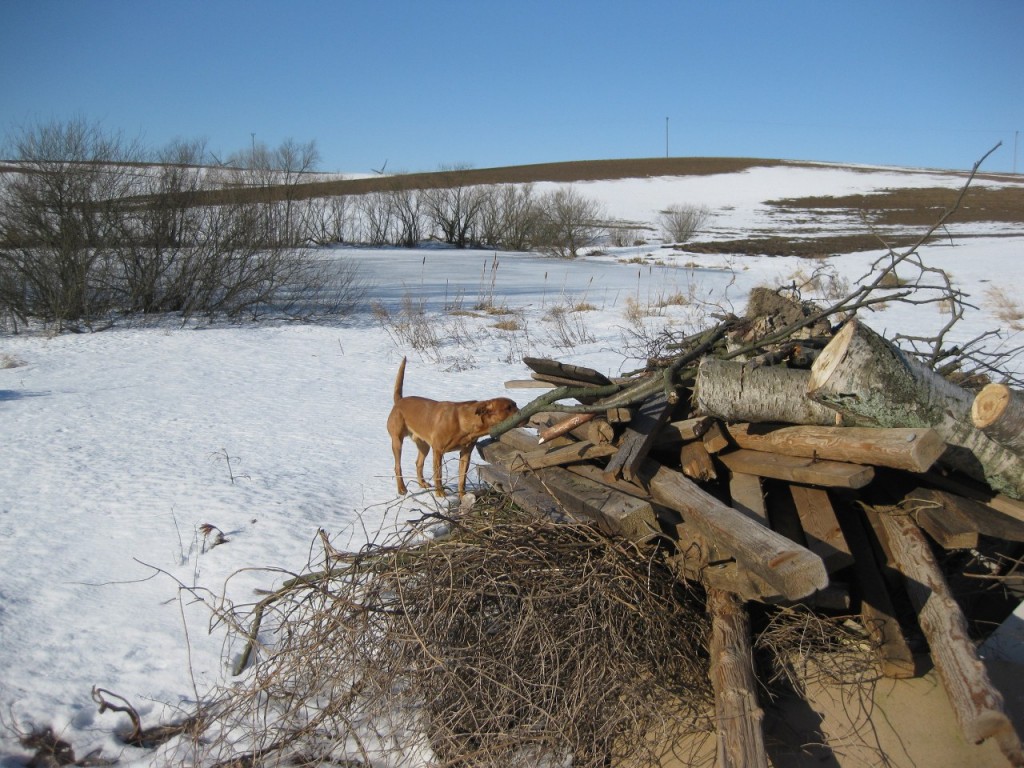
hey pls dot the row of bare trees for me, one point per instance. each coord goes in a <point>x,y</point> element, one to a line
<point>93,226</point>
<point>512,217</point>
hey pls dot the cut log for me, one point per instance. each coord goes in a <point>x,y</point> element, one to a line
<point>998,411</point>
<point>977,704</point>
<point>696,462</point>
<point>639,437</point>
<point>738,715</point>
<point>867,377</point>
<point>895,659</point>
<point>793,570</point>
<point>574,373</point>
<point>742,392</point>
<point>911,449</point>
<point>794,469</point>
<point>821,527</point>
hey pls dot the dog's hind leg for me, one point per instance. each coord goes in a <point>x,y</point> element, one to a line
<point>424,448</point>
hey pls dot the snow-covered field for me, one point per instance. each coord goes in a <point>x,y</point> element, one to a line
<point>116,447</point>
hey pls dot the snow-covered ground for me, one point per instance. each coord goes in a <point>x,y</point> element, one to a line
<point>116,447</point>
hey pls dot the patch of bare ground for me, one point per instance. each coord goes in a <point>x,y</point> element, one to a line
<point>808,248</point>
<point>920,207</point>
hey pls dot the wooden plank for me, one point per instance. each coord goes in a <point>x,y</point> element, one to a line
<point>528,384</point>
<point>738,714</point>
<point>639,437</point>
<point>615,512</point>
<point>619,415</point>
<point>795,469</point>
<point>977,704</point>
<point>981,517</point>
<point>980,493</point>
<point>794,571</point>
<point>684,430</point>
<point>715,439</point>
<point>748,497</point>
<point>877,613</point>
<point>821,527</point>
<point>911,449</point>
<point>527,492</point>
<point>575,373</point>
<point>575,452</point>
<point>696,462</point>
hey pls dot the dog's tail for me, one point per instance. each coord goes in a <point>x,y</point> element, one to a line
<point>399,380</point>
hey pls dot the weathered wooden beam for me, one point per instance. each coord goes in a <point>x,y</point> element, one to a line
<point>947,526</point>
<point>528,492</point>
<point>748,496</point>
<point>911,449</point>
<point>684,430</point>
<point>615,512</point>
<point>528,384</point>
<point>575,373</point>
<point>639,437</point>
<point>821,527</point>
<point>795,469</point>
<point>877,613</point>
<point>553,456</point>
<point>715,438</point>
<point>977,704</point>
<point>981,517</point>
<point>738,714</point>
<point>793,570</point>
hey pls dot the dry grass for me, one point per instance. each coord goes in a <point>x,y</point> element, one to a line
<point>1006,308</point>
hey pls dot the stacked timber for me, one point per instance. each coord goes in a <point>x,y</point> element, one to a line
<point>811,475</point>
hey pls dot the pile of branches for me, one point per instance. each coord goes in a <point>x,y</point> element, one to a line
<point>497,638</point>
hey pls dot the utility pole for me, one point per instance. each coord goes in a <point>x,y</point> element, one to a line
<point>666,138</point>
<point>1016,135</point>
<point>252,156</point>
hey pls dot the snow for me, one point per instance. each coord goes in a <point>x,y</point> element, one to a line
<point>118,446</point>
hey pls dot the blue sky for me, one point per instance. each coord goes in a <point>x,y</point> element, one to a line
<point>430,83</point>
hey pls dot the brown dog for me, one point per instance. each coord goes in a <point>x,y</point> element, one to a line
<point>441,426</point>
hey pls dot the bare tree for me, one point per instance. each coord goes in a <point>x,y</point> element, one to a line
<point>60,226</point>
<point>454,208</point>
<point>509,217</point>
<point>569,222</point>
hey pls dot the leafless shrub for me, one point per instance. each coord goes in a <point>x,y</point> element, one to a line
<point>681,222</point>
<point>1007,309</point>
<point>412,326</point>
<point>512,640</point>
<point>568,327</point>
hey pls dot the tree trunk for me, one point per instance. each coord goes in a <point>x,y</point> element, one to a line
<point>742,392</point>
<point>738,715</point>
<point>998,411</point>
<point>865,376</point>
<point>978,706</point>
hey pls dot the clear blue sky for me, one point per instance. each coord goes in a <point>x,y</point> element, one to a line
<point>426,83</point>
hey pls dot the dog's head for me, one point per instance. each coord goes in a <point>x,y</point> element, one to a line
<point>495,411</point>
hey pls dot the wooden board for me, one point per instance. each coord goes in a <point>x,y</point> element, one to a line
<point>575,452</point>
<point>575,373</point>
<point>821,527</point>
<point>798,470</point>
<point>639,437</point>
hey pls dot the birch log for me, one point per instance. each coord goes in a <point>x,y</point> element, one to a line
<point>977,704</point>
<point>738,714</point>
<point>866,377</point>
<point>742,392</point>
<point>998,411</point>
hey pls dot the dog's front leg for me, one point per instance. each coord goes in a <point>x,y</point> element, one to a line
<point>464,456</point>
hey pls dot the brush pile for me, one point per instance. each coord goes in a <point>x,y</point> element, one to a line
<point>779,459</point>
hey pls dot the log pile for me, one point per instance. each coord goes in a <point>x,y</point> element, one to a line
<point>829,469</point>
